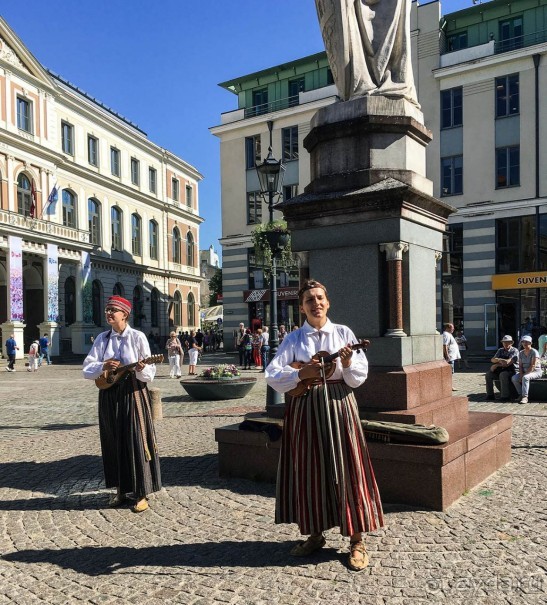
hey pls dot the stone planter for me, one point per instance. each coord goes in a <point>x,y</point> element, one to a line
<point>203,389</point>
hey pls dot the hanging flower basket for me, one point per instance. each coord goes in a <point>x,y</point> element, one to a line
<point>272,239</point>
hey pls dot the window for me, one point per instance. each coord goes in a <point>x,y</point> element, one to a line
<point>516,244</point>
<point>456,41</point>
<point>253,151</point>
<point>260,101</point>
<point>155,308</point>
<point>290,143</point>
<point>191,310</point>
<point>451,107</point>
<point>67,138</point>
<point>295,87</point>
<point>153,239</point>
<point>116,228</point>
<point>69,208</point>
<point>190,256</point>
<point>152,180</point>
<point>511,34</point>
<point>289,191</point>
<point>115,161</point>
<point>189,196</point>
<point>177,309</point>
<point>135,171</point>
<point>136,243</point>
<point>175,188</point>
<point>507,95</point>
<point>176,245</point>
<point>452,175</point>
<point>118,289</point>
<point>138,305</point>
<point>24,115</point>
<point>92,150</point>
<point>70,301</point>
<point>94,221</point>
<point>508,166</point>
<point>254,207</point>
<point>24,195</point>
<point>97,302</point>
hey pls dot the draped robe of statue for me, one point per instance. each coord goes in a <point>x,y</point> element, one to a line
<point>368,47</point>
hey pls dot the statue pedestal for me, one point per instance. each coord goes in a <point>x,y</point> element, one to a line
<point>373,235</point>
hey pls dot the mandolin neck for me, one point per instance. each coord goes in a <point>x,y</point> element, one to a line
<point>333,356</point>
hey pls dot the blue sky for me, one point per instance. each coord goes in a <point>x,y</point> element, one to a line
<point>159,63</point>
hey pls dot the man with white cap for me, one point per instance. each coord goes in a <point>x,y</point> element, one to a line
<point>504,367</point>
<point>529,368</point>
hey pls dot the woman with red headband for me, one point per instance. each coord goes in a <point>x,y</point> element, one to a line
<point>128,441</point>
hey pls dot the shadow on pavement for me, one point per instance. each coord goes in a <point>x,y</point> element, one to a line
<point>95,561</point>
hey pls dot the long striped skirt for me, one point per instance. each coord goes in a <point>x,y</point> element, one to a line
<point>308,493</point>
<point>128,440</point>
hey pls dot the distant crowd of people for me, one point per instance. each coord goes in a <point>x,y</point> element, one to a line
<point>254,347</point>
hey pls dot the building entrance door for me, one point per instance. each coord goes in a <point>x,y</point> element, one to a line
<point>490,326</point>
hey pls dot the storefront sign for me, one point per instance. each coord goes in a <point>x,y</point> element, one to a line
<point>512,281</point>
<point>264,295</point>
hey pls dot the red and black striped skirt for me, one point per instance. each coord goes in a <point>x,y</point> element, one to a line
<point>308,491</point>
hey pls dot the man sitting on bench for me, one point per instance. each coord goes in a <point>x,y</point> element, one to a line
<point>504,367</point>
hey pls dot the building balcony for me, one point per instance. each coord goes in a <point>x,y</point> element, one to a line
<point>45,230</point>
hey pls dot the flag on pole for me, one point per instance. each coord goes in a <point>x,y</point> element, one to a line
<point>52,198</point>
<point>32,210</point>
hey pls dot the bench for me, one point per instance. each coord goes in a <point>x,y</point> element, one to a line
<point>537,392</point>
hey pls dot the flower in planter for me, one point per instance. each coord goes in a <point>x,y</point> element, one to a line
<point>220,371</point>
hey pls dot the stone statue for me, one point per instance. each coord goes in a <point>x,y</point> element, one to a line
<point>368,47</point>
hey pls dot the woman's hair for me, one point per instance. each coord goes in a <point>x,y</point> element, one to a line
<point>309,284</point>
<point>173,334</point>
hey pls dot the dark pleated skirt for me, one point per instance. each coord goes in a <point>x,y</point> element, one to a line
<point>126,463</point>
<point>307,493</point>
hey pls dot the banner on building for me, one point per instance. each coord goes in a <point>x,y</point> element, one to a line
<point>15,245</point>
<point>52,283</point>
<point>87,298</point>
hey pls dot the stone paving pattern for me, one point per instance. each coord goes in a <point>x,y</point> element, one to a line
<point>210,540</point>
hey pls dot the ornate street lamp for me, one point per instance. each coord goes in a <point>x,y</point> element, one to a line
<point>270,176</point>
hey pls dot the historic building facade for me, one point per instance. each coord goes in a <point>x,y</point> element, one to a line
<point>89,207</point>
<point>481,77</point>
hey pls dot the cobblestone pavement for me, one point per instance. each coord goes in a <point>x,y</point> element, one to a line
<point>210,540</point>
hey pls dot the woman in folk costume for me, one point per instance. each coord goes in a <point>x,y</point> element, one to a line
<point>325,478</point>
<point>128,441</point>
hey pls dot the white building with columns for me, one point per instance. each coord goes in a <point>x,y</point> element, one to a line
<point>89,207</point>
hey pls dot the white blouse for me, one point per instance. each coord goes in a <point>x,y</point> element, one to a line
<point>303,343</point>
<point>128,347</point>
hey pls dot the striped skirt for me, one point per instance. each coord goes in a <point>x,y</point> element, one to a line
<point>307,491</point>
<point>128,440</point>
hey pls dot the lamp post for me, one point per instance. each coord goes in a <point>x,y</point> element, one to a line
<point>270,176</point>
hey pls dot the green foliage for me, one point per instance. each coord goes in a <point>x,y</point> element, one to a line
<point>215,288</point>
<point>263,251</point>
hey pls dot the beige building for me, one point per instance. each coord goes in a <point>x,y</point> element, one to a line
<point>481,77</point>
<point>89,207</point>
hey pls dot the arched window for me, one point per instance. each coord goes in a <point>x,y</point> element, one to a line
<point>70,301</point>
<point>190,256</point>
<point>136,239</point>
<point>116,226</point>
<point>153,237</point>
<point>191,310</point>
<point>97,302</point>
<point>118,290</point>
<point>155,308</point>
<point>24,195</point>
<point>138,304</point>
<point>69,208</point>
<point>176,245</point>
<point>94,221</point>
<point>177,309</point>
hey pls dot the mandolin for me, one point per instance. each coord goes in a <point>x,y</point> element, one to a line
<point>328,358</point>
<point>110,377</point>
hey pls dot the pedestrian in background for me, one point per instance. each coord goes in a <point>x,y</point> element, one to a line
<point>175,355</point>
<point>33,356</point>
<point>461,341</point>
<point>11,350</point>
<point>451,352</point>
<point>239,336</point>
<point>265,348</point>
<point>44,350</point>
<point>504,365</point>
<point>193,353</point>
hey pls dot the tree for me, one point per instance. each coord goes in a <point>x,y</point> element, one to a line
<point>215,288</point>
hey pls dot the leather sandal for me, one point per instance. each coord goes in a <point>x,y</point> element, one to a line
<point>116,500</point>
<point>357,563</point>
<point>141,506</point>
<point>309,546</point>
